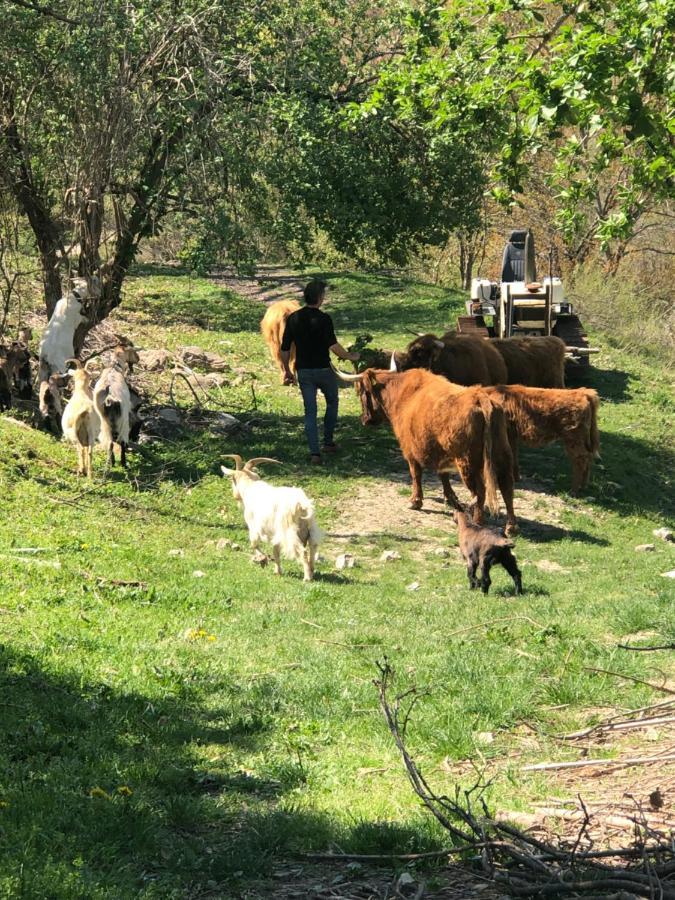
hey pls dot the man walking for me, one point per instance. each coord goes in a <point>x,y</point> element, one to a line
<point>313,334</point>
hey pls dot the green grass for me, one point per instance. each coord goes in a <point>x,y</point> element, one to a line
<point>172,738</point>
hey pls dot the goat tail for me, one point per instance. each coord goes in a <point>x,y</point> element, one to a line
<point>299,529</point>
<point>593,436</point>
<point>494,439</point>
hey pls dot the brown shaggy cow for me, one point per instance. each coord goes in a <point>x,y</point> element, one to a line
<point>539,416</point>
<point>533,361</point>
<point>463,359</point>
<point>438,426</point>
<point>482,548</point>
<point>272,328</point>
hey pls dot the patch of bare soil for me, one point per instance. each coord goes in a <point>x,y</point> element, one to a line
<point>271,283</point>
<point>382,508</point>
<point>356,881</point>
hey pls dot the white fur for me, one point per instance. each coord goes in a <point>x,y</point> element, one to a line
<point>81,422</point>
<point>283,516</point>
<point>56,345</point>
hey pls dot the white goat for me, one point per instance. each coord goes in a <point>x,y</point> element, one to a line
<point>283,516</point>
<point>56,346</point>
<point>113,402</point>
<point>81,422</point>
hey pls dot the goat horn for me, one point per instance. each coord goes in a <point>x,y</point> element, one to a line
<point>235,456</point>
<point>350,379</point>
<point>76,362</point>
<point>259,459</point>
<point>439,344</point>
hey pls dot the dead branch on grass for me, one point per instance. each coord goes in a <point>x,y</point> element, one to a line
<point>524,865</point>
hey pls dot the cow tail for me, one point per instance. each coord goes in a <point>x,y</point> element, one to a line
<point>493,424</point>
<point>593,438</point>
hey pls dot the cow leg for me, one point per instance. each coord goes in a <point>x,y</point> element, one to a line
<point>581,467</point>
<point>513,441</point>
<point>448,493</point>
<point>508,560</point>
<point>111,455</point>
<point>123,454</point>
<point>416,474</point>
<point>470,471</point>
<point>505,482</point>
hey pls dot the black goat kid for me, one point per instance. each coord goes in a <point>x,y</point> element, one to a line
<point>482,548</point>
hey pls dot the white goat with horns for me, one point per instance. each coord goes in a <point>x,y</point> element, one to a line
<point>284,516</point>
<point>81,422</point>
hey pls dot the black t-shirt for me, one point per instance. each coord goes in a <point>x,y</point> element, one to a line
<point>312,333</point>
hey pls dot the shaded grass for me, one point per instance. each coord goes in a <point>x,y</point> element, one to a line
<point>238,708</point>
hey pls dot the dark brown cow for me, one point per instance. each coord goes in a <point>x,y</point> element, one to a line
<point>463,360</point>
<point>539,416</point>
<point>440,425</point>
<point>533,361</point>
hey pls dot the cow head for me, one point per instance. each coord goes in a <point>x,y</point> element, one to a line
<point>369,385</point>
<point>422,353</point>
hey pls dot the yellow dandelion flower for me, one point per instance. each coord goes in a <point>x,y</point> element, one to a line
<point>4,804</point>
<point>124,790</point>
<point>211,637</point>
<point>100,793</point>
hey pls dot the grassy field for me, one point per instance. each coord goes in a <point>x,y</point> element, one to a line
<point>175,718</point>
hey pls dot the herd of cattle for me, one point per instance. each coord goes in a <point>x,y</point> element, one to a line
<point>465,402</point>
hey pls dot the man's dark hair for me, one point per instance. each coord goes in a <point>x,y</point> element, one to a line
<point>314,291</point>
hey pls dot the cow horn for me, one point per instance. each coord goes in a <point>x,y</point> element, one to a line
<point>350,379</point>
<point>260,459</point>
<point>392,365</point>
<point>236,458</point>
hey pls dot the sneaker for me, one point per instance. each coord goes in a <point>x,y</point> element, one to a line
<point>315,459</point>
<point>330,448</point>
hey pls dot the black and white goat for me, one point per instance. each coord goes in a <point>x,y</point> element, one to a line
<point>283,516</point>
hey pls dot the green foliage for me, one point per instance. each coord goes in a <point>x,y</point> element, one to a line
<point>177,736</point>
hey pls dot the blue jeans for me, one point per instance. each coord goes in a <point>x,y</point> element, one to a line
<point>311,381</point>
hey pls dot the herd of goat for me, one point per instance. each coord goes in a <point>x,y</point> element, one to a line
<point>454,402</point>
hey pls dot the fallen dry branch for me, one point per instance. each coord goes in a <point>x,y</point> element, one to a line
<point>646,649</point>
<point>582,763</point>
<point>519,862</point>
<point>655,687</point>
<point>620,725</point>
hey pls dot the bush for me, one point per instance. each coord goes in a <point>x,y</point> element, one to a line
<point>631,313</point>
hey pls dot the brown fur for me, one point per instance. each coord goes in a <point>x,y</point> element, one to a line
<point>539,416</point>
<point>440,425</point>
<point>272,327</point>
<point>463,359</point>
<point>533,361</point>
<point>482,548</point>
<point>12,360</point>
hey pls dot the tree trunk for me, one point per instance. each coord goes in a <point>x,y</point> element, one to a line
<point>21,183</point>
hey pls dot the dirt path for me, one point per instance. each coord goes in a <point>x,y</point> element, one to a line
<point>271,283</point>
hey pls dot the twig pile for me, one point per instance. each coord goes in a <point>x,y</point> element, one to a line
<point>524,865</point>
